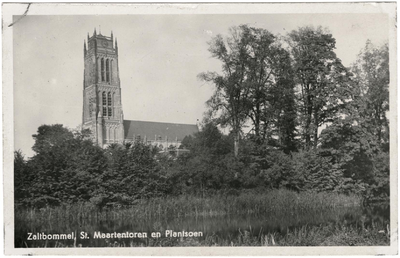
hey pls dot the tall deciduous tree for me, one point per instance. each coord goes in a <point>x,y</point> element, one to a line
<point>279,119</point>
<point>255,76</point>
<point>321,78</point>
<point>371,90</point>
<point>261,73</point>
<point>270,77</point>
<point>230,99</point>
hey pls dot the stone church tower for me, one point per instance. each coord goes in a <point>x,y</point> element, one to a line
<point>102,107</point>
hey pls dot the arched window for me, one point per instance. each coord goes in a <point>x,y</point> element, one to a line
<point>108,70</point>
<point>109,99</point>
<point>104,99</point>
<point>102,69</point>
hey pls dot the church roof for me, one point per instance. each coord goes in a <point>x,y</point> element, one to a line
<point>135,128</point>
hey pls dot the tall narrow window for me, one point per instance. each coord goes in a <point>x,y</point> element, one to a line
<point>109,101</point>
<point>102,69</point>
<point>104,99</point>
<point>108,70</point>
<point>104,111</point>
<point>111,70</point>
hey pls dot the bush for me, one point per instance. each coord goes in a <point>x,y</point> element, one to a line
<point>314,170</point>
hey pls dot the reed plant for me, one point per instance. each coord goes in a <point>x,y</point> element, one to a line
<point>275,201</point>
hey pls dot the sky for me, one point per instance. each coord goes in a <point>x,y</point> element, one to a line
<point>160,57</point>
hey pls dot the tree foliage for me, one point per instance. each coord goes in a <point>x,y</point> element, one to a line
<point>321,77</point>
<point>68,167</point>
<point>256,85</point>
<point>284,95</point>
<point>370,98</point>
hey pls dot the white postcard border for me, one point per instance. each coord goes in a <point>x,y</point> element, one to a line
<point>165,8</point>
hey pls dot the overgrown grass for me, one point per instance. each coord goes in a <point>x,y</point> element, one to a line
<point>272,206</point>
<point>276,201</point>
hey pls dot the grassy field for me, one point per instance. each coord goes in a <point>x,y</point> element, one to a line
<point>246,203</point>
<point>279,203</point>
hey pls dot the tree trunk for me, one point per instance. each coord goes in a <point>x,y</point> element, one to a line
<point>257,121</point>
<point>316,121</point>
<point>236,144</point>
<point>308,120</point>
<point>308,131</point>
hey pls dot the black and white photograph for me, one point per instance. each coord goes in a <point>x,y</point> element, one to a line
<point>160,128</point>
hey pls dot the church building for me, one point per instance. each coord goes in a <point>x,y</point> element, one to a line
<point>102,106</point>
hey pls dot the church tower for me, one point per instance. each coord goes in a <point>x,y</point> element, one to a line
<point>102,107</point>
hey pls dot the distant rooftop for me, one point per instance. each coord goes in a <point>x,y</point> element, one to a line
<point>153,130</point>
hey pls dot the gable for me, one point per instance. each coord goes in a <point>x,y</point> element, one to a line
<point>153,130</point>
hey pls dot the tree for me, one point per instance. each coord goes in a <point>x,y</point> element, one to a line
<point>358,141</point>
<point>255,70</point>
<point>230,99</point>
<point>261,55</point>
<point>371,90</point>
<point>209,140</point>
<point>321,78</point>
<point>282,106</point>
<point>22,177</point>
<point>270,76</point>
<point>66,167</point>
<point>357,152</point>
<point>353,148</point>
<point>206,167</point>
<point>49,136</point>
<point>133,173</point>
